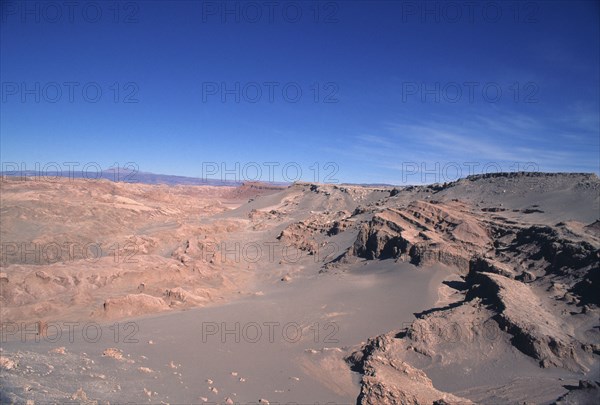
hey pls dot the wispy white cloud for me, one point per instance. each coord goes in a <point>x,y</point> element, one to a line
<point>507,140</point>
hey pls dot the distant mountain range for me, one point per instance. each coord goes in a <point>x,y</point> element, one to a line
<point>127,176</point>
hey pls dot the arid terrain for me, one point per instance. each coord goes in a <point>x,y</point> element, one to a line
<point>484,290</point>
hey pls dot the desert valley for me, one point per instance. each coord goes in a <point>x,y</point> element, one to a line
<point>482,290</point>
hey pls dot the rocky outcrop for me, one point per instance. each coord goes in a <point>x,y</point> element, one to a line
<point>487,265</point>
<point>536,331</point>
<point>253,189</point>
<point>424,233</point>
<point>307,234</point>
<point>178,295</point>
<point>563,255</point>
<point>523,283</point>
<point>586,392</point>
<point>300,235</point>
<point>587,289</point>
<point>132,305</point>
<point>390,381</point>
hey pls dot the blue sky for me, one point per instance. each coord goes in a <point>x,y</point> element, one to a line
<point>391,92</point>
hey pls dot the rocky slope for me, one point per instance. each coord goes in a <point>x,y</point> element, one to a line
<point>530,280</point>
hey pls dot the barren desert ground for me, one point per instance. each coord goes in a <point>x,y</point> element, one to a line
<point>483,290</point>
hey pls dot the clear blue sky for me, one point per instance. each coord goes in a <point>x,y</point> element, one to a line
<point>402,85</point>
